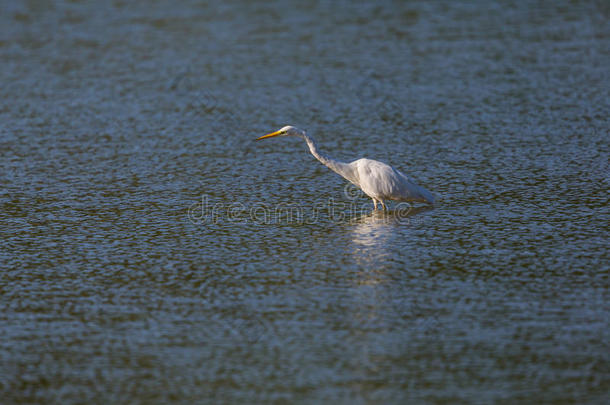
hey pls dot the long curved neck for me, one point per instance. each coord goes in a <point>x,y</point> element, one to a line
<point>341,168</point>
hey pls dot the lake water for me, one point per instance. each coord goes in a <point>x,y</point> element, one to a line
<point>152,252</point>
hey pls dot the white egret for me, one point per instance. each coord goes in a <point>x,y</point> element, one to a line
<point>376,179</point>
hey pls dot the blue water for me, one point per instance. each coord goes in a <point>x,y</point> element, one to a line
<point>152,252</point>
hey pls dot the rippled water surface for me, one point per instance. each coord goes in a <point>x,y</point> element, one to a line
<point>152,252</point>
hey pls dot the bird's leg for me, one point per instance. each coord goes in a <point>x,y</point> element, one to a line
<point>374,205</point>
<point>383,205</point>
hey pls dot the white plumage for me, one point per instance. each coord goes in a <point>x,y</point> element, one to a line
<point>376,179</point>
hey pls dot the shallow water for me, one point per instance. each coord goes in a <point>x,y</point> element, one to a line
<point>153,252</point>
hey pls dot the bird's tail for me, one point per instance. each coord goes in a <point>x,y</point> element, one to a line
<point>427,196</point>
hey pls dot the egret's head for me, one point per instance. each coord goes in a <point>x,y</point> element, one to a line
<point>286,131</point>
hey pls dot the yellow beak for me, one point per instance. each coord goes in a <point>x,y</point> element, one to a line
<point>276,133</point>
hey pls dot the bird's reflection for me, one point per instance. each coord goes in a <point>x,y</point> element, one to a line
<point>378,240</point>
<point>372,236</point>
<point>402,215</point>
<point>375,228</point>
